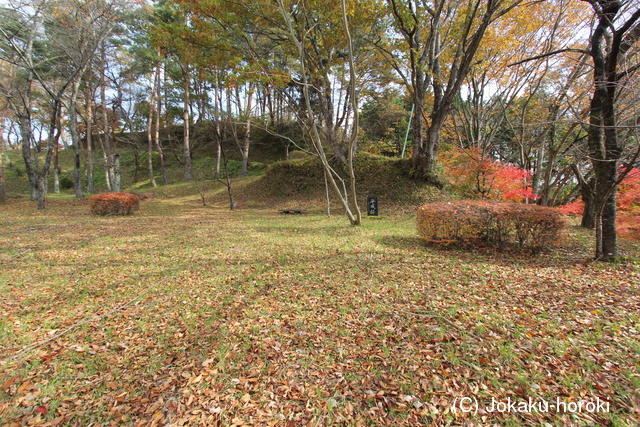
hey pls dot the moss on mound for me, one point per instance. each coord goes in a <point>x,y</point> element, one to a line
<point>302,181</point>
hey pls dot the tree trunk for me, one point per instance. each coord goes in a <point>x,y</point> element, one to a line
<point>608,49</point>
<point>24,120</point>
<point>425,46</point>
<point>2,190</point>
<point>217,109</point>
<point>588,197</point>
<point>56,166</point>
<point>157,140</point>
<point>89,139</point>
<point>75,138</point>
<point>322,88</point>
<point>246,139</point>
<point>109,167</point>
<point>41,190</point>
<point>424,159</point>
<point>185,117</point>
<point>314,131</point>
<point>152,178</point>
<point>116,173</point>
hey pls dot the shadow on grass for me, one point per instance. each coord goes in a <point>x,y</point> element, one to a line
<point>402,242</point>
<point>485,253</point>
<point>300,230</point>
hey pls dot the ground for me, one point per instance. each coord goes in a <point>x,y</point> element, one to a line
<point>199,316</point>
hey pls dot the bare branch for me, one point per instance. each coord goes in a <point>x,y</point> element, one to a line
<point>545,55</point>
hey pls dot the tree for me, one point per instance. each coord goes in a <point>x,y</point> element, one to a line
<point>5,73</point>
<point>617,31</point>
<point>354,215</point>
<point>51,43</point>
<point>147,64</point>
<point>24,44</point>
<point>439,42</point>
<point>384,122</point>
<point>523,111</point>
<point>80,28</point>
<point>171,34</point>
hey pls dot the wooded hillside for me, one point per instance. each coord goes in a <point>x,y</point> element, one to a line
<point>546,92</point>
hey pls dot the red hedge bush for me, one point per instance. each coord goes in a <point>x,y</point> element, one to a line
<point>496,223</point>
<point>114,204</point>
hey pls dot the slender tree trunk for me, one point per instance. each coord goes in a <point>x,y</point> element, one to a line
<point>185,116</point>
<point>105,160</point>
<point>75,138</point>
<point>56,166</point>
<point>41,180</point>
<point>158,142</point>
<point>2,152</point>
<point>41,190</point>
<point>546,182</point>
<point>227,182</point>
<point>24,120</point>
<point>106,137</point>
<point>89,138</point>
<point>217,107</point>
<point>246,139</point>
<point>353,143</point>
<point>152,108</point>
<point>314,133</point>
<point>116,173</point>
<point>587,192</point>
<point>589,214</point>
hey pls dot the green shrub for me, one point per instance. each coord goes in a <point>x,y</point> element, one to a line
<point>234,167</point>
<point>114,204</point>
<point>499,224</point>
<point>298,155</point>
<point>256,168</point>
<point>66,182</point>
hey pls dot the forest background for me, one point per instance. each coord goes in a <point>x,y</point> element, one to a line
<point>534,102</point>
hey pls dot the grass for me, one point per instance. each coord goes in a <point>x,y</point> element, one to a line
<point>192,315</point>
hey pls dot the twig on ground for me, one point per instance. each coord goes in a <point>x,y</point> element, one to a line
<point>11,258</point>
<point>75,325</point>
<point>444,319</point>
<point>87,320</point>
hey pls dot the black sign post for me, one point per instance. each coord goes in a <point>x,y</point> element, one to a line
<point>372,206</point>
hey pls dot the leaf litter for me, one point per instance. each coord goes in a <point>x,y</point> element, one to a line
<point>188,316</point>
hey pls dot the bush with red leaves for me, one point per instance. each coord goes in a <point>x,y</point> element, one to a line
<point>114,204</point>
<point>485,222</point>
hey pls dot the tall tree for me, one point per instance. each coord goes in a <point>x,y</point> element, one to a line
<point>440,41</point>
<point>349,203</point>
<point>24,43</point>
<point>2,189</point>
<point>80,29</point>
<point>171,34</point>
<point>616,33</point>
<point>51,43</point>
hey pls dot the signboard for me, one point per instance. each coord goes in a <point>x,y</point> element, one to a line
<point>372,206</point>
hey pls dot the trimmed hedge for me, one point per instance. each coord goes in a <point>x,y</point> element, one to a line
<point>114,204</point>
<point>495,223</point>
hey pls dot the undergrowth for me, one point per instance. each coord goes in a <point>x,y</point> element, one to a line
<point>191,315</point>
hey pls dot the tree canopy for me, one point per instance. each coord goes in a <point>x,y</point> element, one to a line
<point>549,88</point>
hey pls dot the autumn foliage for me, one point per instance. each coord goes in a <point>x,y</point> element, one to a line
<point>500,224</point>
<point>628,217</point>
<point>472,173</point>
<point>114,204</point>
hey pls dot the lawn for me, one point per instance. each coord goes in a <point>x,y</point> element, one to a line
<point>200,316</point>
